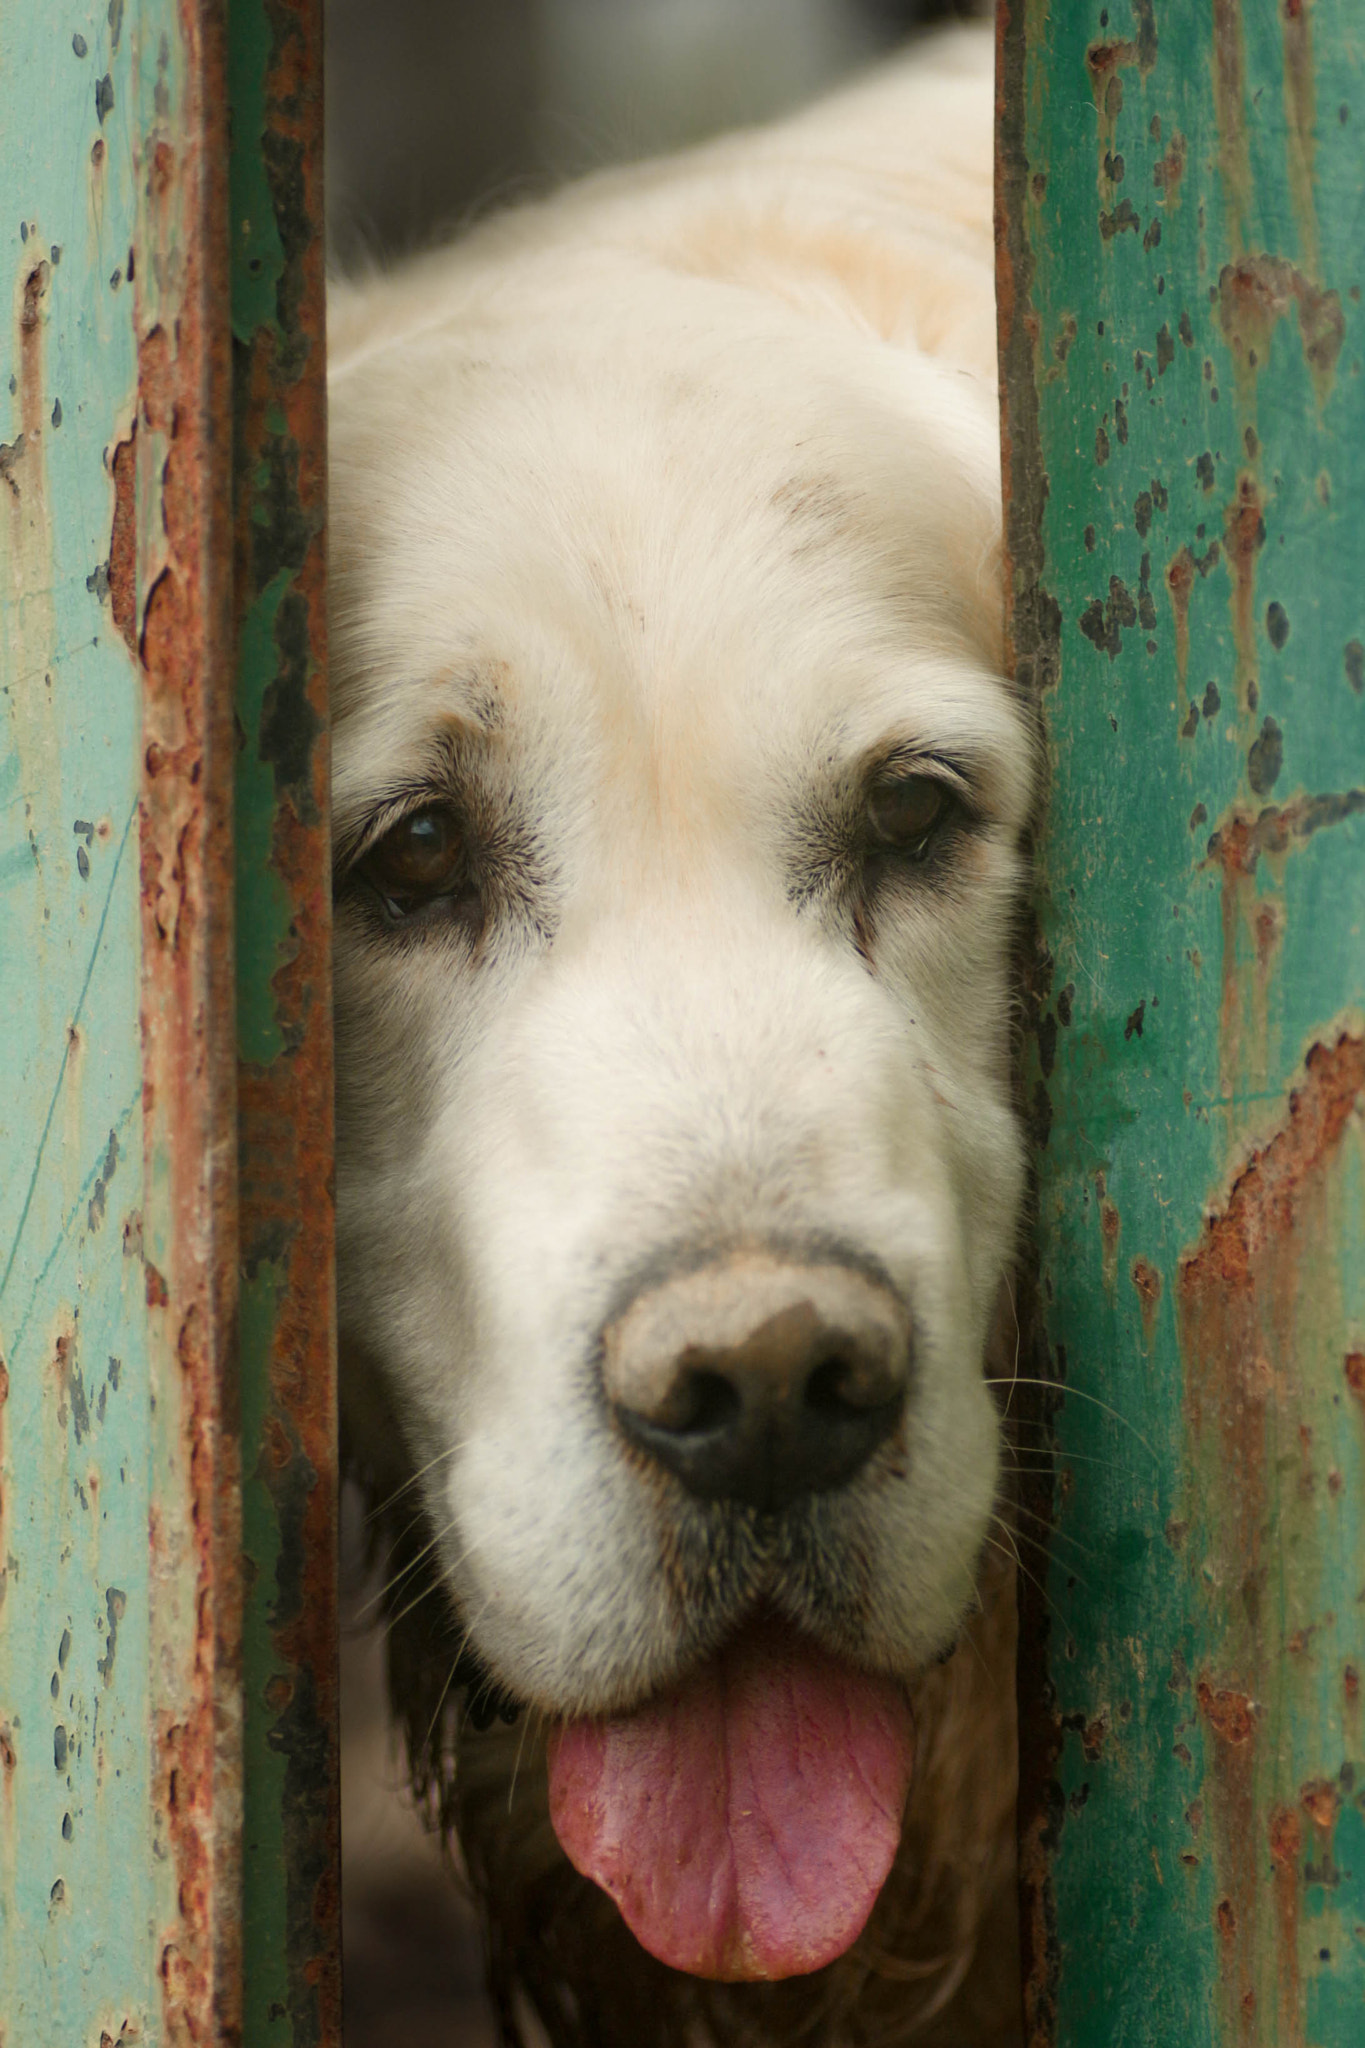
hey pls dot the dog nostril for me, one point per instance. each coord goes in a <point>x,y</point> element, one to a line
<point>699,1403</point>
<point>757,1381</point>
<point>836,1387</point>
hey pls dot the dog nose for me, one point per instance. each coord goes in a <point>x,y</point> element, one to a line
<point>759,1379</point>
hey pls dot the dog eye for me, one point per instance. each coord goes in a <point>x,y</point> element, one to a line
<point>420,859</point>
<point>905,811</point>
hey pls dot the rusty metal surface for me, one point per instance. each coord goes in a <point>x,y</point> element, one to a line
<point>291,1898</point>
<point>1182,242</point>
<point>119,1630</point>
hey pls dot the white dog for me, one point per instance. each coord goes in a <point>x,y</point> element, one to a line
<point>680,809</point>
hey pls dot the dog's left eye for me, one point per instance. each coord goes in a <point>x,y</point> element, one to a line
<point>905,812</point>
<point>419,860</point>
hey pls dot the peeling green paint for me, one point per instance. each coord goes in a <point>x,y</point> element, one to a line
<point>263,937</point>
<point>290,1904</point>
<point>122,1885</point>
<point>75,1788</point>
<point>1185,427</point>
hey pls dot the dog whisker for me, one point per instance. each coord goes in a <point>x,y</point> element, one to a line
<point>1051,1459</point>
<point>1053,1533</point>
<point>405,1571</point>
<point>1018,1536</point>
<point>416,1478</point>
<point>1065,1388</point>
<point>1011,1551</point>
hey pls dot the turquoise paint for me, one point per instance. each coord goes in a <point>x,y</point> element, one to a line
<point>1209,1545</point>
<point>120,1886</point>
<point>76,1884</point>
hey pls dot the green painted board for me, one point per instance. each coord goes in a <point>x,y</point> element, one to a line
<point>291,1900</point>
<point>119,1788</point>
<point>1182,257</point>
<point>167,1493</point>
<point>75,1762</point>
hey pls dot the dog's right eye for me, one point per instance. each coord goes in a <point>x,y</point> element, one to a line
<point>420,860</point>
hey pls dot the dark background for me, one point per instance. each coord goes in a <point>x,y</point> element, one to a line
<point>436,108</point>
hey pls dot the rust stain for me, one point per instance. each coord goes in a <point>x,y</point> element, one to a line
<point>1180,585</point>
<point>1169,169</point>
<point>123,541</point>
<point>1231,1720</point>
<point>1237,1299</point>
<point>1286,1846</point>
<point>1105,60</point>
<point>23,481</point>
<point>169,542</point>
<point>1230,1714</point>
<point>1110,1228</point>
<point>1321,1801</point>
<point>1243,539</point>
<point>285,1104</point>
<point>1236,846</point>
<point>1254,294</point>
<point>1147,1280</point>
<point>1180,577</point>
<point>31,318</point>
<point>1237,1283</point>
<point>1296,32</point>
<point>1229,98</point>
<point>1238,843</point>
<point>1354,1368</point>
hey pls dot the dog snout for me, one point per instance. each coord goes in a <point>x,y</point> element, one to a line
<point>759,1380</point>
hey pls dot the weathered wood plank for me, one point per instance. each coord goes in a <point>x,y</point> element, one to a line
<point>119,1632</point>
<point>162,495</point>
<point>1183,241</point>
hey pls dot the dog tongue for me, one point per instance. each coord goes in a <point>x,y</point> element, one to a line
<point>745,1822</point>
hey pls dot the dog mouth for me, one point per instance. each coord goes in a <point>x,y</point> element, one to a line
<point>744,1820</point>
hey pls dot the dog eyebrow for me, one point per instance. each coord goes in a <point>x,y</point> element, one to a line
<point>442,759</point>
<point>909,757</point>
<point>970,769</point>
<point>355,836</point>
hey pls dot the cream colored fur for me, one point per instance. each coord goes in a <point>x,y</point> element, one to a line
<point>662,512</point>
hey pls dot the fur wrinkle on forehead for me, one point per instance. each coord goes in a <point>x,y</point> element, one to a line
<point>390,740</point>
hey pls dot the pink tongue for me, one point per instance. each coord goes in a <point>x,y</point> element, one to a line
<point>745,1823</point>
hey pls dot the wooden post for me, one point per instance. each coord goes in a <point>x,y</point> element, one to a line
<point>1181,264</point>
<point>124,1217</point>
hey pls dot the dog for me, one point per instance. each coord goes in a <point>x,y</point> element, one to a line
<point>681,817</point>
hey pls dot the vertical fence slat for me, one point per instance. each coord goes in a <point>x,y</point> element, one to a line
<point>1182,256</point>
<point>162,479</point>
<point>119,1629</point>
<point>284,1026</point>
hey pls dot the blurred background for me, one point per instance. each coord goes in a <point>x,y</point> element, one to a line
<point>438,110</point>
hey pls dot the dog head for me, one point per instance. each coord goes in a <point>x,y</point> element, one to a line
<point>679,807</point>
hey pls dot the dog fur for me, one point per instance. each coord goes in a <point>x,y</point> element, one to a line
<point>665,520</point>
